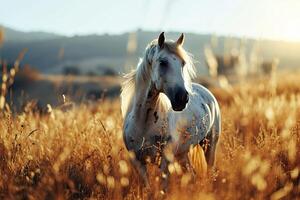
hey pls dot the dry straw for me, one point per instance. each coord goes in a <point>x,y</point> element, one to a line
<point>8,77</point>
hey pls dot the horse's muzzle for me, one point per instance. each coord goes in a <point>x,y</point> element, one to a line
<point>180,100</point>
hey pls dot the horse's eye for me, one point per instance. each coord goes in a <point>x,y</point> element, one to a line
<point>163,63</point>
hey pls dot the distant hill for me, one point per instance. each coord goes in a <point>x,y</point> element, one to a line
<point>20,36</point>
<point>50,53</point>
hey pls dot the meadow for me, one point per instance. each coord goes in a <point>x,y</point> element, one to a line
<point>77,152</point>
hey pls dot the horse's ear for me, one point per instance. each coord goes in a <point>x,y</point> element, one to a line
<point>180,40</point>
<point>161,40</point>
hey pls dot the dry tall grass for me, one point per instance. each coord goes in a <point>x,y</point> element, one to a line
<point>80,153</point>
<point>8,77</point>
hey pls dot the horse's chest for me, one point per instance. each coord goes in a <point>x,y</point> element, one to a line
<point>156,136</point>
<point>145,132</point>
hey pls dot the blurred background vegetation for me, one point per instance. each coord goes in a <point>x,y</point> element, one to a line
<point>61,65</point>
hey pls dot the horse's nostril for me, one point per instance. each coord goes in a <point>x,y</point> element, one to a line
<point>131,139</point>
<point>184,96</point>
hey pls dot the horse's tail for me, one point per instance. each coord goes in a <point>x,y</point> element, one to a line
<point>197,159</point>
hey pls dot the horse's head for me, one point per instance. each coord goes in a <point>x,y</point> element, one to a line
<point>168,73</point>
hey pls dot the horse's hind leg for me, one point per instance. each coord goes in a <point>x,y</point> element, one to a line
<point>210,153</point>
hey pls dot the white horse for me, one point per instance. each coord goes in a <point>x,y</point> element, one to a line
<point>163,108</point>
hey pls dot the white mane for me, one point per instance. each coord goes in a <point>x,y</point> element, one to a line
<point>142,74</point>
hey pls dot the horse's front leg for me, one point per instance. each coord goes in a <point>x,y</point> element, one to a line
<point>141,168</point>
<point>165,173</point>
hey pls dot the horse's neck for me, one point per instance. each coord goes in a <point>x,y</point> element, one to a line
<point>145,100</point>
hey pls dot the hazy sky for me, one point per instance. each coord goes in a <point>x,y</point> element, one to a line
<point>279,19</point>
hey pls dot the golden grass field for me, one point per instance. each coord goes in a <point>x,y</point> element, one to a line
<point>79,153</point>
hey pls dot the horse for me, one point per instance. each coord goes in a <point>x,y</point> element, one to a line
<point>164,111</point>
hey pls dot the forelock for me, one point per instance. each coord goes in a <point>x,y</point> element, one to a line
<point>150,52</point>
<point>169,46</point>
